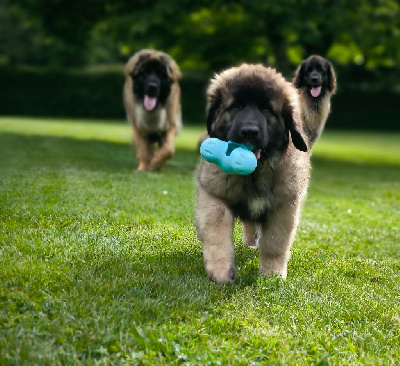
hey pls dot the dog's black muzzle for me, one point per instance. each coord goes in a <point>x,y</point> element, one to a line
<point>247,127</point>
<point>315,79</point>
<point>152,85</point>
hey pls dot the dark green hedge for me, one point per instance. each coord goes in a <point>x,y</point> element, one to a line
<point>80,94</point>
<point>365,111</point>
<point>61,94</point>
<point>99,95</point>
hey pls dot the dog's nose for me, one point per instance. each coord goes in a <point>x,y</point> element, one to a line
<point>152,86</point>
<point>249,131</point>
<point>314,78</point>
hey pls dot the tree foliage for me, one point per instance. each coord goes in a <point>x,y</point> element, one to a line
<point>202,35</point>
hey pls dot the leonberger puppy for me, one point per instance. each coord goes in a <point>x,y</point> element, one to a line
<point>152,102</point>
<point>315,81</point>
<point>255,105</point>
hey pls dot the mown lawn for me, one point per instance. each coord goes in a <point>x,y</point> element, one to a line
<point>100,265</point>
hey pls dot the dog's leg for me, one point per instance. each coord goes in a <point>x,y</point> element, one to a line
<point>152,150</point>
<point>142,150</point>
<point>251,233</point>
<point>165,152</point>
<point>277,235</point>
<point>214,222</point>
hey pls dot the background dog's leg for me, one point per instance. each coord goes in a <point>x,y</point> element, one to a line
<point>166,150</point>
<point>277,235</point>
<point>214,223</point>
<point>142,150</point>
<point>152,150</point>
<point>251,233</point>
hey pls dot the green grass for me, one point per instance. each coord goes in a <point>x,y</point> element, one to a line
<point>101,266</point>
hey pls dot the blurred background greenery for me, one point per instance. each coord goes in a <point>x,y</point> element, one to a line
<point>65,58</point>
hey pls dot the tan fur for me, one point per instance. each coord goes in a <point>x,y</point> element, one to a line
<point>281,185</point>
<point>167,119</point>
<point>314,119</point>
<point>315,115</point>
<point>251,233</point>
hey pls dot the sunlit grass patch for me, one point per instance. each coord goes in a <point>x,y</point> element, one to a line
<point>101,265</point>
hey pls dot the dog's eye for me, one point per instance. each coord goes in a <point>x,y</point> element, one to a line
<point>264,108</point>
<point>319,68</point>
<point>237,106</point>
<point>136,76</point>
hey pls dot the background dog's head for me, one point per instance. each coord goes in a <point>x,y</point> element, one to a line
<point>152,73</point>
<point>254,105</point>
<point>317,76</point>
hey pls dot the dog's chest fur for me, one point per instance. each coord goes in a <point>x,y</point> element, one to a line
<point>315,114</point>
<point>250,197</point>
<point>151,122</point>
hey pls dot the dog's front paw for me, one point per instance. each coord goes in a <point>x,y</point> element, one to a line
<point>221,272</point>
<point>154,169</point>
<point>143,167</point>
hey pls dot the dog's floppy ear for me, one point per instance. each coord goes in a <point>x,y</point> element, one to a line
<point>135,63</point>
<point>213,105</point>
<point>135,73</point>
<point>173,70</point>
<point>292,118</point>
<point>331,77</point>
<point>172,67</point>
<point>299,76</point>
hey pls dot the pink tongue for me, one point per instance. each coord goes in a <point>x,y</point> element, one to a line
<point>315,92</point>
<point>257,153</point>
<point>149,102</point>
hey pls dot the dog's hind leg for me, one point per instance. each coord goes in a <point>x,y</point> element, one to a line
<point>251,233</point>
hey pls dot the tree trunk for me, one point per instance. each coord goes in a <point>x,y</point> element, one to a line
<point>279,46</point>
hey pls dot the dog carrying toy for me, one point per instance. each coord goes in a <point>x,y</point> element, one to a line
<point>231,157</point>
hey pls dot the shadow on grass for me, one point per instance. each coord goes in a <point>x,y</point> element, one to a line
<point>109,156</point>
<point>42,151</point>
<point>173,276</point>
<point>37,152</point>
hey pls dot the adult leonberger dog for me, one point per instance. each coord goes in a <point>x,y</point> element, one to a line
<point>315,81</point>
<point>254,105</point>
<point>152,102</point>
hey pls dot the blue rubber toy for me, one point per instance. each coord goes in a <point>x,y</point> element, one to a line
<point>231,157</point>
